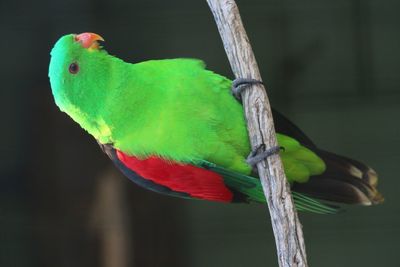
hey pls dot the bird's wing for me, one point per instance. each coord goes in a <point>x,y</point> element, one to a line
<point>205,181</point>
<point>171,178</point>
<point>135,177</point>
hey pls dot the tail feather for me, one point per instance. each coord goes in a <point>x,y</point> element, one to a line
<point>344,181</point>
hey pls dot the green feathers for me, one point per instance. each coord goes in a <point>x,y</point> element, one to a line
<point>172,108</point>
<point>300,162</point>
<point>177,110</point>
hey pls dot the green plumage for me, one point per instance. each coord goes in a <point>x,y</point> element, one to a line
<point>171,108</point>
<point>174,109</point>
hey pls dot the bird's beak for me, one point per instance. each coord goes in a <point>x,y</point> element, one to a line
<point>89,40</point>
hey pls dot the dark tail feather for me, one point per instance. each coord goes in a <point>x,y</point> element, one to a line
<point>344,181</point>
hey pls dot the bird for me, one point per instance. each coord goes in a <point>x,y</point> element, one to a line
<point>174,127</point>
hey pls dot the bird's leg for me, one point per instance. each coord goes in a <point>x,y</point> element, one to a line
<point>239,84</point>
<point>259,154</point>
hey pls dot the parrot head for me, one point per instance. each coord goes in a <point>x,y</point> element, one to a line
<point>71,66</point>
<point>79,73</point>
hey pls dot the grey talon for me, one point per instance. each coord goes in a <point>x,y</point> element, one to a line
<point>239,84</point>
<point>260,154</point>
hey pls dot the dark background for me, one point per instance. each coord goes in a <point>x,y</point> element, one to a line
<point>330,66</point>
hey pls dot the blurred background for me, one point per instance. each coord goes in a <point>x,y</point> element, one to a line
<point>330,66</point>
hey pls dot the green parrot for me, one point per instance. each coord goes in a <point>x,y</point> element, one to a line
<point>173,127</point>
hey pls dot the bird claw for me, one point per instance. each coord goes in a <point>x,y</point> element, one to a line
<point>259,154</point>
<point>239,84</point>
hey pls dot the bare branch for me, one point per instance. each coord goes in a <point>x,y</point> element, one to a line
<point>286,225</point>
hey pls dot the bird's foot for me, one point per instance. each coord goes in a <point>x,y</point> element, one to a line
<point>259,154</point>
<point>239,84</point>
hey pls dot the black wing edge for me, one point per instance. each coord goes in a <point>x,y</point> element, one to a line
<point>284,126</point>
<point>136,178</point>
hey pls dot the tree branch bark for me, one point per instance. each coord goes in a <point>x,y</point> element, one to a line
<point>285,223</point>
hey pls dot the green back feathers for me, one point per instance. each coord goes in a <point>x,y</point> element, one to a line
<point>178,116</point>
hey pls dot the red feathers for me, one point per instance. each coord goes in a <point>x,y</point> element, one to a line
<point>195,181</point>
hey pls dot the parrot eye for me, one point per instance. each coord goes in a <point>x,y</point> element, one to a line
<point>73,68</point>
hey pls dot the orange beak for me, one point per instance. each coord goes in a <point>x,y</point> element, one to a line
<point>89,40</point>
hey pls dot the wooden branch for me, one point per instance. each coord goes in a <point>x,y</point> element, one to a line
<point>285,223</point>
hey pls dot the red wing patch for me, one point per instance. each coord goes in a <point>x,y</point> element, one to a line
<point>195,181</point>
